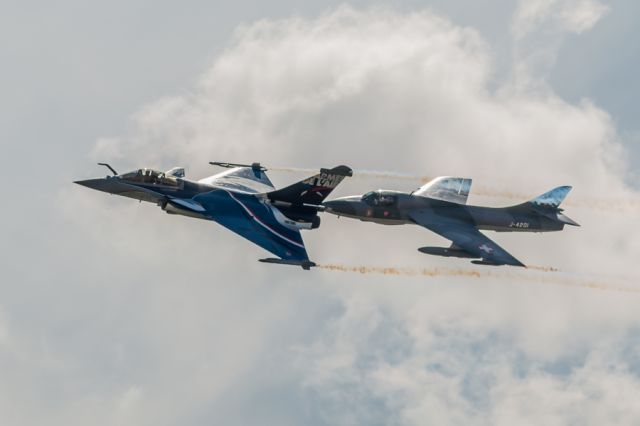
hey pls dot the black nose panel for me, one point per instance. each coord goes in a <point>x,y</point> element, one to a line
<point>111,185</point>
<point>98,184</point>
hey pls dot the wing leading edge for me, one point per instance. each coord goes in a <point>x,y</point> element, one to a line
<point>465,236</point>
<point>244,179</point>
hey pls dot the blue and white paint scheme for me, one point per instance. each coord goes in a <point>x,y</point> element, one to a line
<point>242,199</point>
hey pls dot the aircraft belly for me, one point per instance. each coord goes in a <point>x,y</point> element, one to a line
<point>506,229</point>
<point>388,221</point>
<point>378,220</point>
<point>382,221</point>
<point>139,195</point>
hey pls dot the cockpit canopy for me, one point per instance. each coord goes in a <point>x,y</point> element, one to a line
<point>377,198</point>
<point>150,176</point>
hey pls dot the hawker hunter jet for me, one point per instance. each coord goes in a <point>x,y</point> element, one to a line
<point>242,199</point>
<point>440,206</point>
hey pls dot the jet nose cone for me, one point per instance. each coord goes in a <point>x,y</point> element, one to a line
<point>98,184</point>
<point>340,207</point>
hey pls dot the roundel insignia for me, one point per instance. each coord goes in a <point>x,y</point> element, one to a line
<point>485,248</point>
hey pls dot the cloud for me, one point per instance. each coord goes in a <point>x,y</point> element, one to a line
<point>344,88</point>
<point>437,363</point>
<point>171,320</point>
<point>566,15</point>
<point>538,28</point>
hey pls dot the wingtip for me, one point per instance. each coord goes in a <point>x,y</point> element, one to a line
<point>304,264</point>
<point>516,263</point>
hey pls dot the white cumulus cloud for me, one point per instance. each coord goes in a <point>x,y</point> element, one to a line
<point>538,27</point>
<point>208,335</point>
<point>568,15</point>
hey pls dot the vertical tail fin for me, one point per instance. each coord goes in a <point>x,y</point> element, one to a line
<point>312,190</point>
<point>548,204</point>
<point>551,198</point>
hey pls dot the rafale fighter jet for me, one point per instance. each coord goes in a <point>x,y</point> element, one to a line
<point>241,199</point>
<point>440,206</point>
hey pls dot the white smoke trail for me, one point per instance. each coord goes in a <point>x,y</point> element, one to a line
<point>611,205</point>
<point>360,174</point>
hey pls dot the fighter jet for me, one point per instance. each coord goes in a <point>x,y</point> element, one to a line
<point>242,199</point>
<point>440,206</point>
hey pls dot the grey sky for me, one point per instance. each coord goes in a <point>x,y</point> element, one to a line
<point>101,62</point>
<point>113,309</point>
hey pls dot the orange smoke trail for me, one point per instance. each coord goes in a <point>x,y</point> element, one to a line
<point>411,272</point>
<point>472,273</point>
<point>543,268</point>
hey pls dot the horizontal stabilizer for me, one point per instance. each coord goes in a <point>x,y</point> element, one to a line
<point>305,264</point>
<point>557,215</point>
<point>565,219</point>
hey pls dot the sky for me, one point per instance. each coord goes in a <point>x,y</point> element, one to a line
<point>112,312</point>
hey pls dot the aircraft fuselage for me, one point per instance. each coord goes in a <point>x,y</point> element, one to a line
<point>392,208</point>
